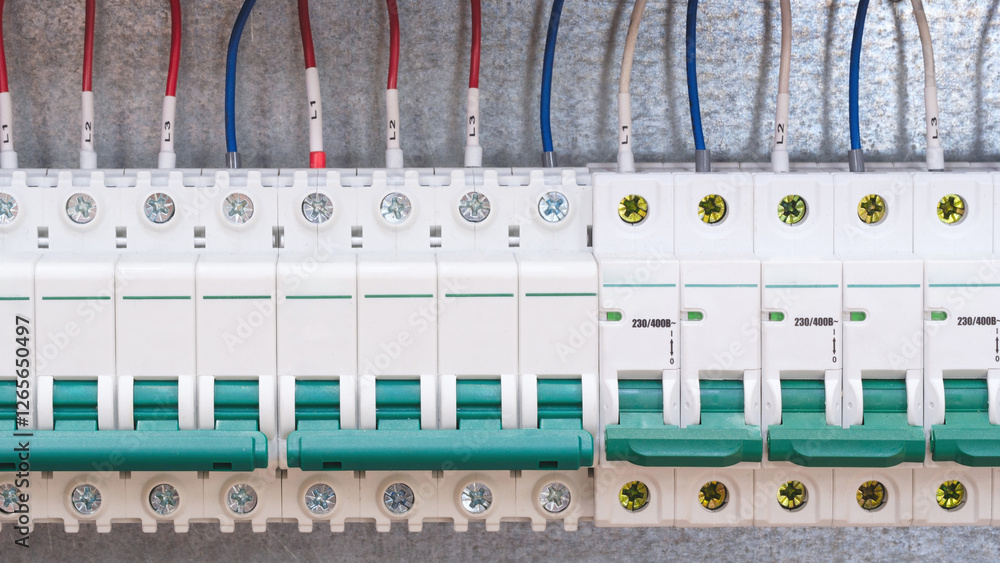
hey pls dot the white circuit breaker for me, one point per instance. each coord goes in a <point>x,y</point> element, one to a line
<point>660,348</point>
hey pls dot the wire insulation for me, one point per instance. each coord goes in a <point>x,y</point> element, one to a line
<point>626,160</point>
<point>4,87</point>
<point>474,152</point>
<point>167,158</point>
<point>546,98</point>
<point>393,151</point>
<point>855,73</point>
<point>935,154</point>
<point>314,108</point>
<point>779,153</point>
<point>8,158</point>
<point>234,47</point>
<point>88,156</point>
<point>175,47</point>
<point>393,44</point>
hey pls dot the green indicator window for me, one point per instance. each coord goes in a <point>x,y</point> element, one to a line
<point>858,316</point>
<point>614,316</point>
<point>939,316</point>
<point>695,316</point>
<point>775,316</point>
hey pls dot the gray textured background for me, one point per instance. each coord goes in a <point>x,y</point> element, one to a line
<point>738,76</point>
<point>738,80</point>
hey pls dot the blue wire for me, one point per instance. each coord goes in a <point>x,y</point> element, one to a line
<point>550,57</point>
<point>859,31</point>
<point>692,76</point>
<point>234,47</point>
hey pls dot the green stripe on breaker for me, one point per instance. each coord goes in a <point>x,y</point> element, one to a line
<point>964,285</point>
<point>399,296</point>
<point>14,298</point>
<point>720,285</point>
<point>92,298</point>
<point>803,286</point>
<point>317,297</point>
<point>156,297</point>
<point>560,295</point>
<point>233,297</point>
<point>883,286</point>
<point>479,295</point>
<point>640,285</point>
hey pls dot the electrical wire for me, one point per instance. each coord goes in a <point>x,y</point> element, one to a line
<point>548,152</point>
<point>317,157</point>
<point>702,157</point>
<point>232,154</point>
<point>88,157</point>
<point>474,152</point>
<point>8,158</point>
<point>856,155</point>
<point>779,153</point>
<point>167,157</point>
<point>935,153</point>
<point>626,161</point>
<point>393,152</point>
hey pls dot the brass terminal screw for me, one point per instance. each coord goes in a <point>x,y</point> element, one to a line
<point>951,495</point>
<point>871,495</point>
<point>713,495</point>
<point>634,496</point>
<point>712,209</point>
<point>792,495</point>
<point>791,209</point>
<point>633,208</point>
<point>871,209</point>
<point>951,209</point>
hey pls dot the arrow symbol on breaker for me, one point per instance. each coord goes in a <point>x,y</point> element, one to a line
<point>834,344</point>
<point>998,345</point>
<point>671,346</point>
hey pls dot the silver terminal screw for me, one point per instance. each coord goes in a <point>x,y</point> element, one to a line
<point>8,498</point>
<point>238,208</point>
<point>317,208</point>
<point>554,497</point>
<point>477,498</point>
<point>242,498</point>
<point>159,208</point>
<point>398,498</point>
<point>164,499</point>
<point>553,207</point>
<point>320,499</point>
<point>396,207</point>
<point>8,209</point>
<point>81,208</point>
<point>474,207</point>
<point>86,499</point>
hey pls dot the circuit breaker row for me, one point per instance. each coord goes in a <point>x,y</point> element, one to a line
<point>663,348</point>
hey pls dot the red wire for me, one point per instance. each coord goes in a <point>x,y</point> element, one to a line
<point>477,38</point>
<point>175,47</point>
<point>88,46</point>
<point>3,56</point>
<point>393,43</point>
<point>307,36</point>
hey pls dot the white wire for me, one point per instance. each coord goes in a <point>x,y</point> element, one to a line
<point>626,162</point>
<point>167,159</point>
<point>779,154</point>
<point>935,154</point>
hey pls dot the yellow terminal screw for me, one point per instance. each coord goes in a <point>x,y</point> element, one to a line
<point>951,495</point>
<point>951,209</point>
<point>791,209</point>
<point>634,496</point>
<point>712,209</point>
<point>871,495</point>
<point>713,495</point>
<point>871,209</point>
<point>633,208</point>
<point>792,495</point>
